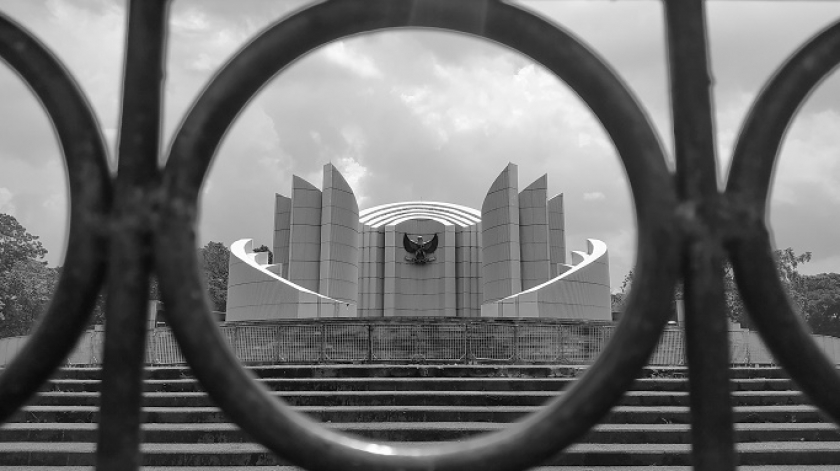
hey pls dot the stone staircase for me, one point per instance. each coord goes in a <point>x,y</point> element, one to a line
<point>776,427</point>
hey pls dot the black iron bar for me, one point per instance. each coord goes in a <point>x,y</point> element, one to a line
<point>707,340</point>
<point>90,189</point>
<point>748,189</point>
<point>524,444</point>
<point>130,261</point>
<point>693,221</point>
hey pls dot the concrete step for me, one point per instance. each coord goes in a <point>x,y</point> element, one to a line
<point>417,431</point>
<point>423,403</point>
<point>424,398</point>
<point>245,454</point>
<point>424,384</point>
<point>420,371</point>
<point>538,468</point>
<point>501,414</point>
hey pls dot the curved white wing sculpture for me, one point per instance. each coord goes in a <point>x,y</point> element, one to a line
<point>581,291</point>
<point>256,292</point>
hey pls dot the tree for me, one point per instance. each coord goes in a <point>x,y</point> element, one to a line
<point>26,283</point>
<point>787,264</point>
<point>26,292</point>
<point>619,300</point>
<point>17,245</point>
<point>215,258</point>
<point>822,303</point>
<point>263,248</point>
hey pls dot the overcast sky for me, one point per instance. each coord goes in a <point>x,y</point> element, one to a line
<point>410,115</point>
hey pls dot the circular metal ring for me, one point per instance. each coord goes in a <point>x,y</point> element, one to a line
<point>541,435</point>
<point>748,188</point>
<point>90,189</point>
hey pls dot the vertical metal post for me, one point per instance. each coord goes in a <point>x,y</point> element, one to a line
<point>277,338</point>
<point>323,341</point>
<point>234,342</point>
<point>515,343</point>
<point>151,346</point>
<point>706,324</point>
<point>370,342</point>
<point>91,347</point>
<point>747,350</point>
<point>470,356</point>
<point>131,239</point>
<point>466,338</point>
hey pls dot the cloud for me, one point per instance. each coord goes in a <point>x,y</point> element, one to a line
<point>55,202</point>
<point>6,204</point>
<point>411,114</point>
<point>189,21</point>
<point>351,59</point>
<point>808,159</point>
<point>354,173</point>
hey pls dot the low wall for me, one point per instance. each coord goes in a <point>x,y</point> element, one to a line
<point>421,340</point>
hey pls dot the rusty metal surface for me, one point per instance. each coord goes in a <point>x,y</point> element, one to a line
<point>706,323</point>
<point>686,229</point>
<point>297,437</point>
<point>90,193</point>
<point>130,245</point>
<point>749,240</point>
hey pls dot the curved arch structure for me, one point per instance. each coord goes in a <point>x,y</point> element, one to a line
<point>388,213</point>
<point>508,259</point>
<point>257,292</point>
<point>581,291</point>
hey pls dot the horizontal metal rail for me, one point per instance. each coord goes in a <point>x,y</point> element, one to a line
<point>462,341</point>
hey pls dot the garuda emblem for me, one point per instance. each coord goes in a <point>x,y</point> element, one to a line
<point>421,252</point>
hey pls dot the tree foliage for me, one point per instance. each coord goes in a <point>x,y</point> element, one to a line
<point>215,258</point>
<point>26,283</point>
<point>822,303</point>
<point>263,248</point>
<point>787,266</point>
<point>16,244</point>
<point>619,300</point>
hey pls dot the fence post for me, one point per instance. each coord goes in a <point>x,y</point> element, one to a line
<point>748,349</point>
<point>235,341</point>
<point>94,347</point>
<point>277,338</point>
<point>465,337</point>
<point>515,344</point>
<point>322,328</point>
<point>416,346</point>
<point>370,342</point>
<point>470,357</point>
<point>151,350</point>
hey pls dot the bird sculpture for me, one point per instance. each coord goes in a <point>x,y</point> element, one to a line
<point>421,252</point>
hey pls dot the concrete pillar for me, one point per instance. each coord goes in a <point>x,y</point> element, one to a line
<point>500,235</point>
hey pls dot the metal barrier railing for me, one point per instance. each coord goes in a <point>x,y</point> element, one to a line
<point>142,221</point>
<point>452,342</point>
<point>466,341</point>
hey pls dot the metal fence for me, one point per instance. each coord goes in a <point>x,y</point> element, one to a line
<point>422,341</point>
<point>688,228</point>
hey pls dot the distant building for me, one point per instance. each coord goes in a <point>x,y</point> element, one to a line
<point>418,258</point>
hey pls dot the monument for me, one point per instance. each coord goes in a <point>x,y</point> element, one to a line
<point>418,259</point>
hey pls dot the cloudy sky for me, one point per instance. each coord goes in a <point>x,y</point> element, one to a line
<point>422,115</point>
